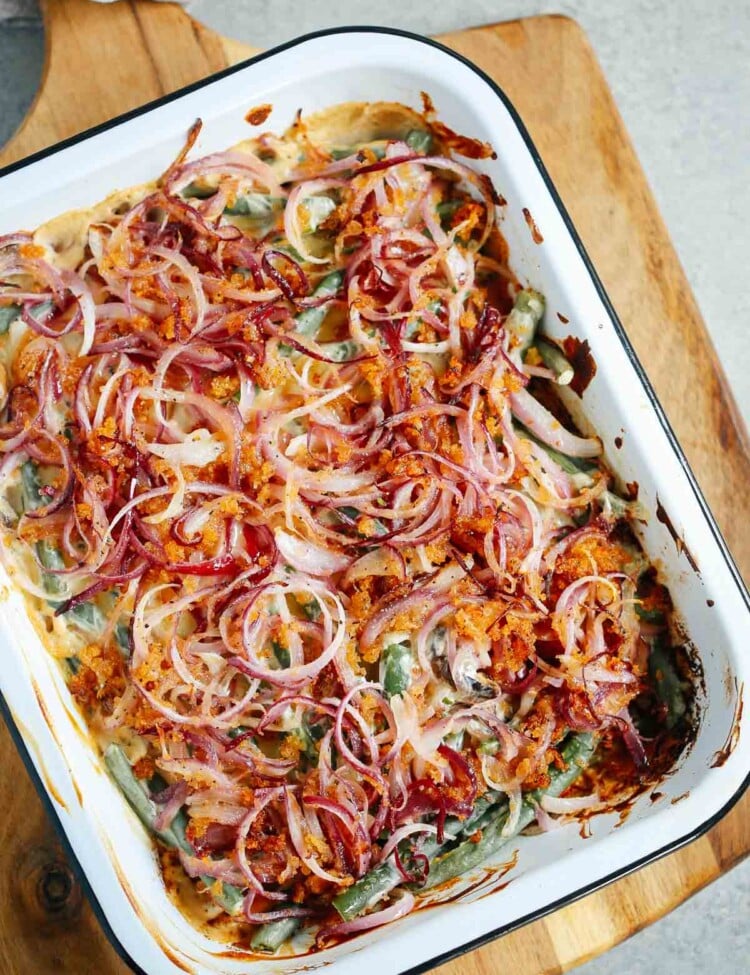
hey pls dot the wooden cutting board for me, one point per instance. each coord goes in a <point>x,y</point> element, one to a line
<point>102,61</point>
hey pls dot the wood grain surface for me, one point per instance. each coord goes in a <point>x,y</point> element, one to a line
<point>105,59</point>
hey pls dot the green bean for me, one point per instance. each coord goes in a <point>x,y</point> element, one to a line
<point>32,486</point>
<point>135,791</point>
<point>489,747</point>
<point>257,206</point>
<point>271,936</point>
<point>368,890</point>
<point>311,609</point>
<point>397,667</point>
<point>419,140</point>
<point>50,558</point>
<point>344,153</point>
<point>524,318</point>
<point>229,897</point>
<point>577,753</point>
<point>448,207</point>
<point>8,314</point>
<point>615,507</point>
<point>47,553</point>
<point>310,320</point>
<point>122,637</point>
<point>87,615</point>
<point>198,191</point>
<point>666,680</point>
<point>318,209</point>
<point>378,883</point>
<point>351,514</point>
<point>281,653</point>
<point>571,465</point>
<point>414,323</point>
<point>341,351</point>
<point>650,615</point>
<point>553,359</point>
<point>41,310</point>
<point>306,743</point>
<point>381,880</point>
<point>455,740</point>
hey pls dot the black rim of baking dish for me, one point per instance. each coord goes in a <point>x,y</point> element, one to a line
<point>650,393</point>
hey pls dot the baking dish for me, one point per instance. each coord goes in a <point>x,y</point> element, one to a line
<point>115,856</point>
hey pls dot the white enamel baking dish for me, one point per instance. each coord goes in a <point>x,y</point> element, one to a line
<point>112,849</point>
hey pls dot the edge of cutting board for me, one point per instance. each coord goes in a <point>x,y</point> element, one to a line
<point>566,99</point>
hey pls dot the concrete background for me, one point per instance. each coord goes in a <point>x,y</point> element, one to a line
<point>680,73</point>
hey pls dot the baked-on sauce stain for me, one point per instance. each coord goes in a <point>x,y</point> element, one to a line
<point>42,769</point>
<point>563,319</point>
<point>618,442</point>
<point>496,884</point>
<point>43,773</point>
<point>734,734</point>
<point>145,920</point>
<point>617,781</point>
<point>679,541</point>
<point>580,357</point>
<point>536,235</point>
<point>486,881</point>
<point>258,115</point>
<point>463,144</point>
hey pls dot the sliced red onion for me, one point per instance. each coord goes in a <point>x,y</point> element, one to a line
<point>380,620</point>
<point>224,870</point>
<point>309,557</point>
<point>297,675</point>
<point>263,798</point>
<point>292,229</point>
<point>632,738</point>
<point>277,710</point>
<point>404,905</point>
<point>266,917</point>
<point>231,163</point>
<point>296,826</point>
<point>172,805</point>
<point>570,805</point>
<point>381,561</point>
<point>544,425</point>
<point>545,822</point>
<point>409,829</point>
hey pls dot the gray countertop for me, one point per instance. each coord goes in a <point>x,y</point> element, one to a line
<point>679,72</point>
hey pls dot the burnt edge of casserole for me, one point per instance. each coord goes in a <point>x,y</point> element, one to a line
<point>542,912</point>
